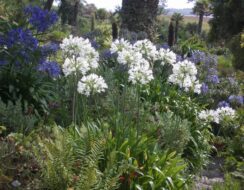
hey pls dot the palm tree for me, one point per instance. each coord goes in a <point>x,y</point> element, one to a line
<point>177,17</point>
<point>201,8</point>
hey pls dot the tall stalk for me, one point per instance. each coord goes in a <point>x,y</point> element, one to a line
<point>74,99</point>
<point>138,110</point>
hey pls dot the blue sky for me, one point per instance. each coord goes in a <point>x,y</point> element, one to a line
<point>111,4</point>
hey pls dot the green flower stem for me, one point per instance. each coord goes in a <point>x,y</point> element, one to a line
<point>138,110</point>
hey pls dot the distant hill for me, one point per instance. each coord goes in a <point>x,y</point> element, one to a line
<point>185,11</point>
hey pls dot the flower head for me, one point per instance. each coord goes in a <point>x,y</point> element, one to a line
<point>185,76</point>
<point>223,104</point>
<point>81,56</point>
<point>236,99</point>
<point>147,49</point>
<point>140,73</point>
<point>91,84</point>
<point>51,67</point>
<point>39,18</point>
<point>119,45</point>
<point>166,56</point>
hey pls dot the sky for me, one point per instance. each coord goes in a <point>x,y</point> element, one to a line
<point>111,4</point>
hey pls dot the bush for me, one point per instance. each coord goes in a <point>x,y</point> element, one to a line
<point>237,51</point>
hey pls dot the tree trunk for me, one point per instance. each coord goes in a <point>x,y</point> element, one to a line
<point>171,34</point>
<point>176,31</point>
<point>114,31</point>
<point>48,5</point>
<point>199,30</point>
<point>74,13</point>
<point>140,16</point>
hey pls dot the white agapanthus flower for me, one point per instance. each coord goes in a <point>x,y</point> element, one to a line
<point>129,57</point>
<point>91,84</point>
<point>80,55</point>
<point>72,65</point>
<point>218,115</point>
<point>226,113</point>
<point>166,56</point>
<point>147,49</point>
<point>119,45</point>
<point>141,73</point>
<point>209,116</point>
<point>185,76</point>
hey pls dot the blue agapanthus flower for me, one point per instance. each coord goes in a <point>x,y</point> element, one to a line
<point>236,99</point>
<point>94,44</point>
<point>21,37</point>
<point>50,67</point>
<point>213,79</point>
<point>204,88</point>
<point>40,19</point>
<point>106,54</point>
<point>49,49</point>
<point>21,44</point>
<point>223,104</point>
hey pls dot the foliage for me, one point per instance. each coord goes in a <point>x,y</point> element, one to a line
<point>71,160</point>
<point>237,51</point>
<point>174,132</point>
<point>229,183</point>
<point>23,61</point>
<point>12,116</point>
<point>224,27</point>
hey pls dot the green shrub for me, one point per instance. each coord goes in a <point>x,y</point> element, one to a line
<point>237,51</point>
<point>174,132</point>
<point>14,119</point>
<point>70,159</point>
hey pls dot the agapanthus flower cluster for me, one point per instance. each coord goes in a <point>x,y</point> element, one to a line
<point>209,116</point>
<point>40,19</point>
<point>21,43</point>
<point>91,84</point>
<point>140,73</point>
<point>219,115</point>
<point>119,45</point>
<point>234,99</point>
<point>223,104</point>
<point>49,49</point>
<point>166,56</point>
<point>133,56</point>
<point>185,76</point>
<point>208,66</point>
<point>80,55</point>
<point>50,67</point>
<point>147,49</point>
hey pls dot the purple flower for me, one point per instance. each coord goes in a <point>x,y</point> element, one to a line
<point>20,37</point>
<point>49,49</point>
<point>21,44</point>
<point>165,46</point>
<point>236,99</point>
<point>94,44</point>
<point>51,67</point>
<point>204,88</point>
<point>178,58</point>
<point>40,19</point>
<point>106,54</point>
<point>223,104</point>
<point>213,79</point>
